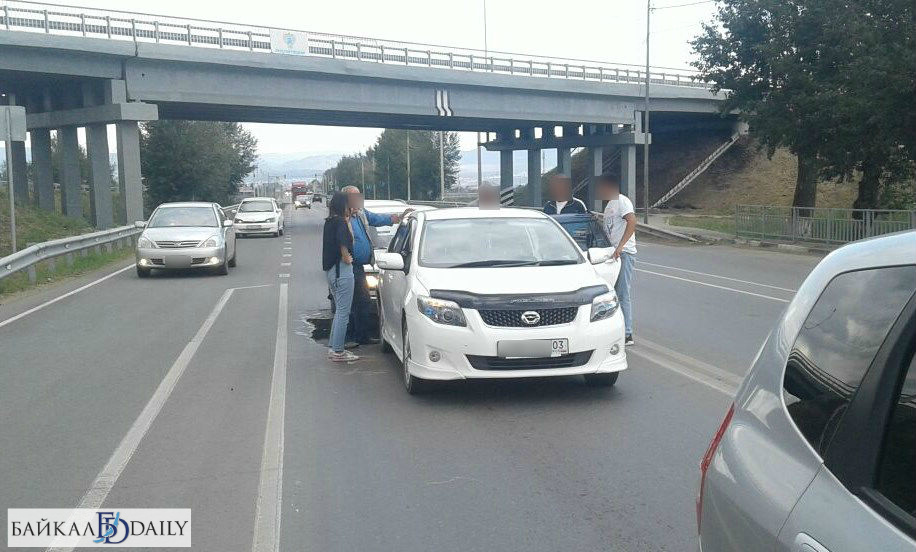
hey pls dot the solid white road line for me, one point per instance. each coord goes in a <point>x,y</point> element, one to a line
<point>717,276</point>
<point>23,314</point>
<point>270,488</point>
<point>109,475</point>
<point>697,370</point>
<point>770,297</point>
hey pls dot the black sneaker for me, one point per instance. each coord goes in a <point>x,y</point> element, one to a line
<point>629,341</point>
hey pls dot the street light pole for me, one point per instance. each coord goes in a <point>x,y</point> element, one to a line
<point>408,165</point>
<point>441,166</point>
<point>645,146</point>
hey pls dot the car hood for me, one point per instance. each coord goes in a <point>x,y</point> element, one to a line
<point>180,233</point>
<point>511,280</point>
<point>256,215</point>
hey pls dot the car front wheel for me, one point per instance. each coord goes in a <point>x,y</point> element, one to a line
<point>143,272</point>
<point>601,380</point>
<point>386,347</point>
<point>413,384</point>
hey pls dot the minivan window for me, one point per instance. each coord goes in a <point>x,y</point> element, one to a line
<point>896,471</point>
<point>837,343</point>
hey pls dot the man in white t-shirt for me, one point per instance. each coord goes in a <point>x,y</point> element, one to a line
<point>620,221</point>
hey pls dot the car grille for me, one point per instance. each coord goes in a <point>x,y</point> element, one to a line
<point>254,221</point>
<point>169,244</point>
<point>540,363</point>
<point>513,318</point>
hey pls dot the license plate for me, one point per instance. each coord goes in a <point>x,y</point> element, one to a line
<point>532,348</point>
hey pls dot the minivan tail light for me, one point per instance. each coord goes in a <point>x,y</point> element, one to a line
<point>707,459</point>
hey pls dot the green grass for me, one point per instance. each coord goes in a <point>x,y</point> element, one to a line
<point>34,225</point>
<point>723,224</point>
<point>45,274</point>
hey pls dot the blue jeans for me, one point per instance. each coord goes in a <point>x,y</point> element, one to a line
<point>624,289</point>
<point>342,290</point>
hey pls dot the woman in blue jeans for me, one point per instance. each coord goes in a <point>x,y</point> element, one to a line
<point>337,263</point>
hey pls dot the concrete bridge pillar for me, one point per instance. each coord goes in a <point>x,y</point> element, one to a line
<point>628,170</point>
<point>534,172</point>
<point>42,170</point>
<point>506,173</point>
<point>20,167</point>
<point>70,179</point>
<point>100,203</point>
<point>595,168</point>
<point>130,205</point>
<point>564,161</point>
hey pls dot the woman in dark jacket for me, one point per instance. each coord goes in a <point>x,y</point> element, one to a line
<point>337,263</point>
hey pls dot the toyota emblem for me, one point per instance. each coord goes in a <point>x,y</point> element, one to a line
<point>531,318</point>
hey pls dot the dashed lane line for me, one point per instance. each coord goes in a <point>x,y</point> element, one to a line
<point>789,290</point>
<point>762,296</point>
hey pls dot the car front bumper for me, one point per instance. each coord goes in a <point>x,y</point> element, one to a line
<point>191,257</point>
<point>453,346</point>
<point>257,227</point>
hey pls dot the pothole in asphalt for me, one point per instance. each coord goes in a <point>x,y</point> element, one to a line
<point>315,325</point>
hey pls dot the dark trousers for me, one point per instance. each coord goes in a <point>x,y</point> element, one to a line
<point>358,328</point>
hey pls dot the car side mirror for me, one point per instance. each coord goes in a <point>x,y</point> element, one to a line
<point>389,261</point>
<point>598,255</point>
<point>140,224</point>
<point>227,223</point>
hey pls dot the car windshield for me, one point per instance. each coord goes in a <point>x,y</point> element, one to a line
<point>166,217</point>
<point>498,241</point>
<point>256,206</point>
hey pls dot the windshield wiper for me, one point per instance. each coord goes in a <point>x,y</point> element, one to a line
<point>557,262</point>
<point>494,262</point>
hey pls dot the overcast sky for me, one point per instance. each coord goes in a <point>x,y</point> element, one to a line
<point>601,30</point>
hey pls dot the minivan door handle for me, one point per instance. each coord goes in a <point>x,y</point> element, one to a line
<point>807,543</point>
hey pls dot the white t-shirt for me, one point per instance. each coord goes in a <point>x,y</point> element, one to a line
<point>615,223</point>
<point>560,205</point>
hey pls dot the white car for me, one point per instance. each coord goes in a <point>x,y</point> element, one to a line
<point>259,215</point>
<point>467,293</point>
<point>303,200</point>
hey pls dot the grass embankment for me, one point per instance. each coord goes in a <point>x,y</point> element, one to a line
<point>722,224</point>
<point>34,225</point>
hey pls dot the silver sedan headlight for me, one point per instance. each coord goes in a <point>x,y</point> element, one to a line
<point>145,243</point>
<point>212,241</point>
<point>604,306</point>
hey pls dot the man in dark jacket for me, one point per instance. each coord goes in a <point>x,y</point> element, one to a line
<point>562,201</point>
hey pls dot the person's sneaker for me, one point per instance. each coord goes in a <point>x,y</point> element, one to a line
<point>343,356</point>
<point>351,344</point>
<point>629,341</point>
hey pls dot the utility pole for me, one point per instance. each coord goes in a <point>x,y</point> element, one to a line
<point>645,146</point>
<point>388,181</point>
<point>408,165</point>
<point>441,166</point>
<point>362,175</point>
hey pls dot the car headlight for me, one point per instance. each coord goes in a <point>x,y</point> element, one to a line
<point>441,311</point>
<point>372,281</point>
<point>271,219</point>
<point>212,241</point>
<point>145,243</point>
<point>604,306</point>
<point>237,221</point>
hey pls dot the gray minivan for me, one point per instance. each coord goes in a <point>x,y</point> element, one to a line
<point>818,451</point>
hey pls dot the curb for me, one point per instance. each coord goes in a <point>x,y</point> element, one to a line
<point>665,234</point>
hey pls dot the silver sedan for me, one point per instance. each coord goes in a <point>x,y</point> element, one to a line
<point>186,235</point>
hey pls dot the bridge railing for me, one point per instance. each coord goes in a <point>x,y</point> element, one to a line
<point>142,27</point>
<point>818,224</point>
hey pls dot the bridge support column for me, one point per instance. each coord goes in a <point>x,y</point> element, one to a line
<point>564,161</point>
<point>20,172</point>
<point>43,171</point>
<point>130,205</point>
<point>71,201</point>
<point>100,206</point>
<point>628,170</point>
<point>506,173</point>
<point>534,178</point>
<point>595,168</point>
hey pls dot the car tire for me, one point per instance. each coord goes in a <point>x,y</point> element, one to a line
<point>280,233</point>
<point>235,253</point>
<point>386,347</point>
<point>413,384</point>
<point>143,272</point>
<point>223,269</point>
<point>601,380</point>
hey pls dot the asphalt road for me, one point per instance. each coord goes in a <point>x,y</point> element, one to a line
<point>190,390</point>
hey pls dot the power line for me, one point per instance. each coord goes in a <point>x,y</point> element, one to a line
<point>683,5</point>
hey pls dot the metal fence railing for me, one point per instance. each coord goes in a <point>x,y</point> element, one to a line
<point>142,27</point>
<point>48,252</point>
<point>817,224</point>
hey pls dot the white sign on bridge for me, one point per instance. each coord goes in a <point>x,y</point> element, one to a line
<point>289,42</point>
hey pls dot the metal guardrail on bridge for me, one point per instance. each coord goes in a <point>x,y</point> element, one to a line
<point>818,224</point>
<point>142,27</point>
<point>28,258</point>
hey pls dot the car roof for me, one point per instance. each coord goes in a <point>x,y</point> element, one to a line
<point>187,204</point>
<point>476,212</point>
<point>260,198</point>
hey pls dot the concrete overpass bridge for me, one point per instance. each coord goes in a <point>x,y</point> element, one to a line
<point>78,67</point>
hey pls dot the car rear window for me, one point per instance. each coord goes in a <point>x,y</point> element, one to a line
<point>837,343</point>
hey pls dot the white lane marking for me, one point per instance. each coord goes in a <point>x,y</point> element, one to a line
<point>697,370</point>
<point>286,264</point>
<point>270,487</point>
<point>253,287</point>
<point>283,275</point>
<point>49,302</point>
<point>718,276</point>
<point>109,475</point>
<point>287,255</point>
<point>770,297</point>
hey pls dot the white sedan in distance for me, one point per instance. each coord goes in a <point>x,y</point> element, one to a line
<point>259,215</point>
<point>467,293</point>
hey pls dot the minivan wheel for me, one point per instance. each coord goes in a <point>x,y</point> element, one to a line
<point>601,380</point>
<point>413,384</point>
<point>386,347</point>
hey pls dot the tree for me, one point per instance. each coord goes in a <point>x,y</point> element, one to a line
<point>389,157</point>
<point>832,80</point>
<point>195,160</point>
